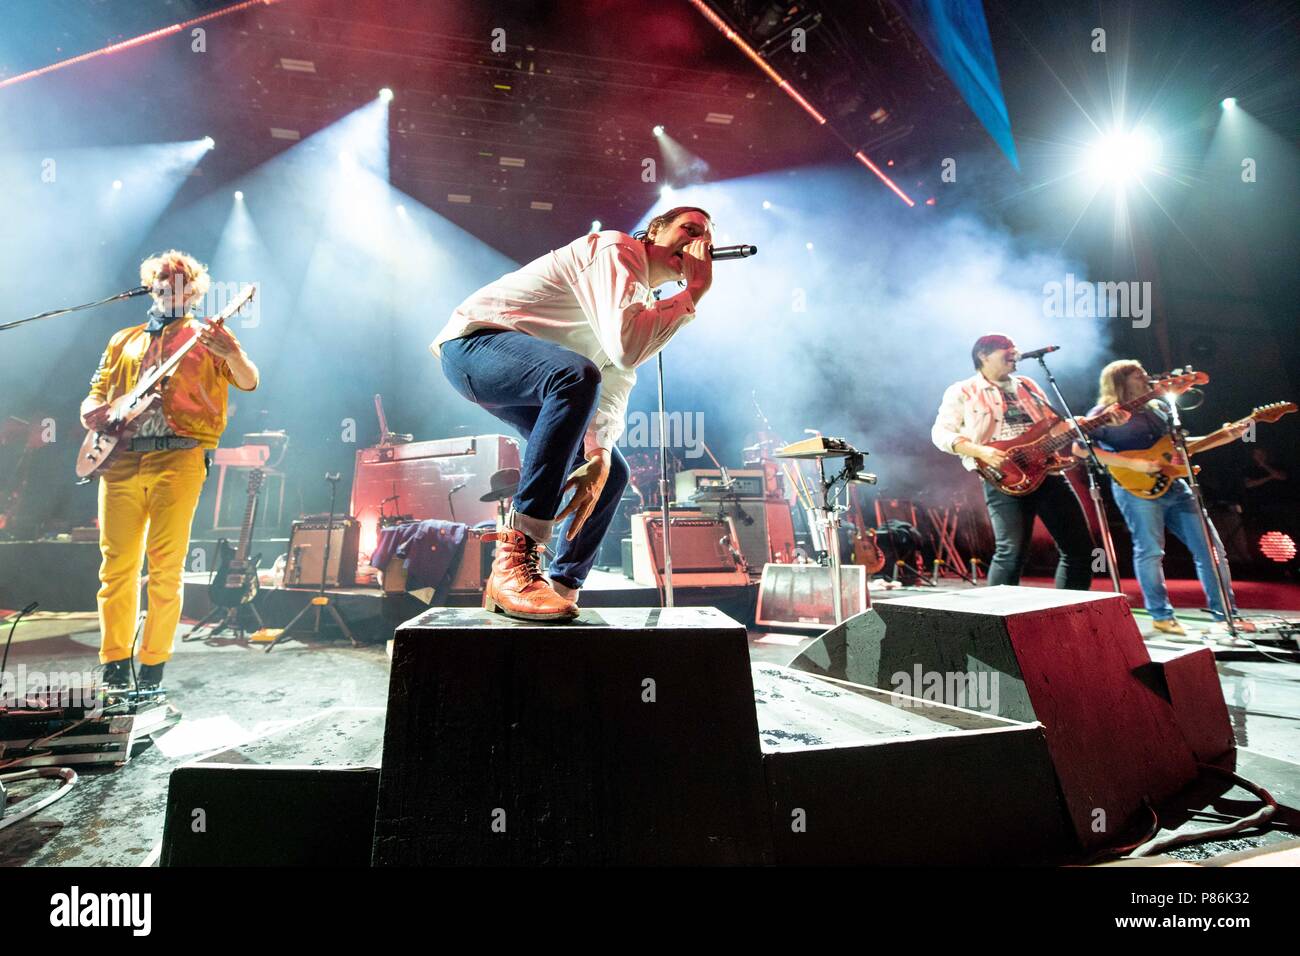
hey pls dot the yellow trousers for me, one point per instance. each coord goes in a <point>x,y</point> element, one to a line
<point>146,506</point>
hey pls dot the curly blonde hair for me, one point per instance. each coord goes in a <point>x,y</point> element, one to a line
<point>169,263</point>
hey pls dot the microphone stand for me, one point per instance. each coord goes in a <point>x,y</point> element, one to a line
<point>1180,440</point>
<point>1094,468</point>
<point>663,484</point>
<point>139,290</point>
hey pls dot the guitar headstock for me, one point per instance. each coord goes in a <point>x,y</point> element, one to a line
<point>1273,411</point>
<point>234,305</point>
<point>1177,384</point>
<point>255,478</point>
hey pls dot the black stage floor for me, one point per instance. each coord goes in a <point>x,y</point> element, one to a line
<point>230,693</point>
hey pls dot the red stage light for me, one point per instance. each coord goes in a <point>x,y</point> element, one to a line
<point>1277,546</point>
<point>794,94</point>
<point>133,42</point>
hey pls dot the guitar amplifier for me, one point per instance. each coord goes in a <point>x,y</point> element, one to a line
<point>745,482</point>
<point>702,550</point>
<point>307,552</point>
<point>430,479</point>
<point>473,568</point>
<point>765,529</point>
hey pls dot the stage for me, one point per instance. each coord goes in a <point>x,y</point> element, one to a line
<point>320,701</point>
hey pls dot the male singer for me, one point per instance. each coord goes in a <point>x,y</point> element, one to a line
<point>551,349</point>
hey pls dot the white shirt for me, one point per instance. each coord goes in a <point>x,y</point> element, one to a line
<point>593,297</point>
<point>974,409</point>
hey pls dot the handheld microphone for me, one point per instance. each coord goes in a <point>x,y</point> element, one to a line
<point>139,290</point>
<point>1038,353</point>
<point>723,253</point>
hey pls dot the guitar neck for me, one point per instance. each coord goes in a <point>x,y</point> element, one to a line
<point>169,366</point>
<point>1056,442</point>
<point>250,515</point>
<point>1202,444</point>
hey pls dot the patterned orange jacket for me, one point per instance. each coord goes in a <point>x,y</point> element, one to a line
<point>193,398</point>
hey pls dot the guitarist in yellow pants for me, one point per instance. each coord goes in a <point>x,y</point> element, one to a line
<point>150,489</point>
<point>1175,510</point>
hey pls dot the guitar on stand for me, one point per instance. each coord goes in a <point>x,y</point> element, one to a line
<point>1154,485</point>
<point>125,413</point>
<point>234,584</point>
<point>1045,448</point>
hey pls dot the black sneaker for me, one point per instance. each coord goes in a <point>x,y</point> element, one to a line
<point>150,676</point>
<point>117,674</point>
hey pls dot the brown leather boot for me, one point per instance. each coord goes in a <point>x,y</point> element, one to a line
<point>517,588</point>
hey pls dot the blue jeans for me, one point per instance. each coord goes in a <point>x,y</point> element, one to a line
<point>548,394</point>
<point>1147,520</point>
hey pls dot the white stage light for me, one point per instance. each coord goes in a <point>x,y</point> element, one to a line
<point>1121,157</point>
<point>1230,103</point>
<point>658,131</point>
<point>117,184</point>
<point>386,95</point>
<point>239,195</point>
<point>209,142</point>
<point>595,225</point>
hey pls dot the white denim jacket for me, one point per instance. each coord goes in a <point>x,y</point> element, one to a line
<point>973,408</point>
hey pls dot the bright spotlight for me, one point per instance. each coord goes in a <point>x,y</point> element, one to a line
<point>117,184</point>
<point>239,195</point>
<point>1230,103</point>
<point>766,204</point>
<point>1121,157</point>
<point>658,130</point>
<point>808,246</point>
<point>595,225</point>
<point>401,210</point>
<point>209,142</point>
<point>666,191</point>
<point>386,94</point>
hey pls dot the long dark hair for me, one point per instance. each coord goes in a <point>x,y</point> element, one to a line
<point>666,219</point>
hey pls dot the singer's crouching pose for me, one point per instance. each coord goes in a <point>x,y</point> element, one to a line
<point>551,349</point>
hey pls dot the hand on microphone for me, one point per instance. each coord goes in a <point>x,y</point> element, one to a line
<point>697,269</point>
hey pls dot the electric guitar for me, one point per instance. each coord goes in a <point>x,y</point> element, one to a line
<point>100,446</point>
<point>1045,448</point>
<point>1154,485</point>
<point>235,581</point>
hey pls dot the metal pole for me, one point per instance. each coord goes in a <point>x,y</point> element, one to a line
<point>1093,467</point>
<point>1180,439</point>
<point>663,485</point>
<point>832,540</point>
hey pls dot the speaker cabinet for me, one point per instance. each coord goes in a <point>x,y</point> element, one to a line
<point>307,553</point>
<point>702,545</point>
<point>1072,661</point>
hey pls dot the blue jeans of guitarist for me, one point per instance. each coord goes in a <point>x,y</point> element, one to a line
<point>1147,520</point>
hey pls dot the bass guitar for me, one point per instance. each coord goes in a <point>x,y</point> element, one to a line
<point>125,412</point>
<point>1155,484</point>
<point>235,581</point>
<point>1045,448</point>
